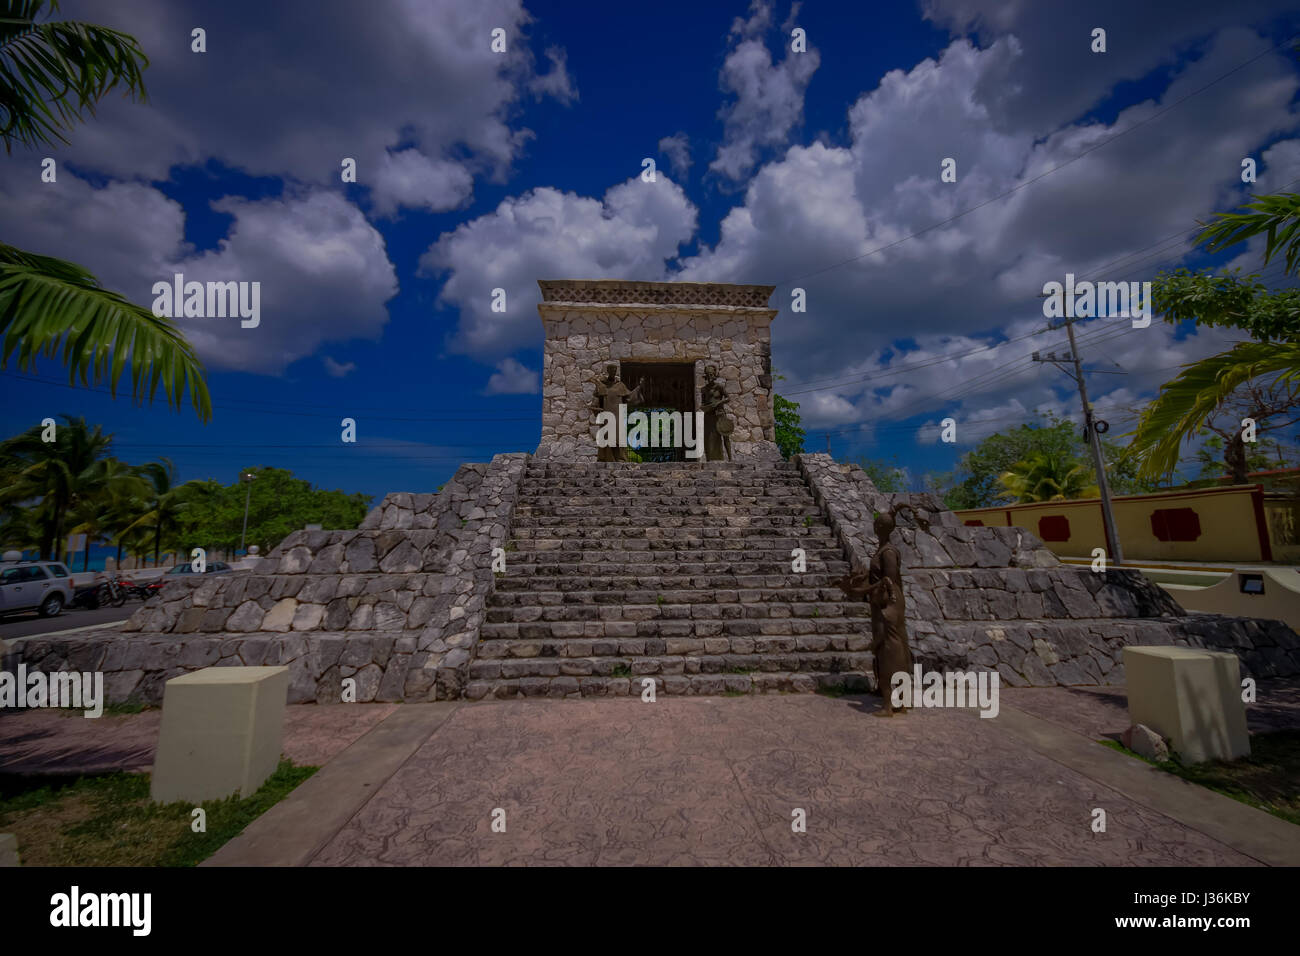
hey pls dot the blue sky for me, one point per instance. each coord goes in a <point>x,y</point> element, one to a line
<point>479,170</point>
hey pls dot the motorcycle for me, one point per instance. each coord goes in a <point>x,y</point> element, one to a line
<point>113,591</point>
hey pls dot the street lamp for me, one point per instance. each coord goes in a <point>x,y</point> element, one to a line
<point>247,478</point>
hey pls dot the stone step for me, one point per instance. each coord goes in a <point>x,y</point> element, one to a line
<point>814,646</point>
<point>698,685</point>
<point>660,469</point>
<point>593,567</point>
<point>529,484</point>
<point>535,579</point>
<point>654,504</point>
<point>640,665</point>
<point>673,509</point>
<point>661,521</point>
<point>747,543</point>
<point>786,627</point>
<point>660,549</point>
<point>652,611</point>
<point>627,553</point>
<point>683,595</point>
<point>597,533</point>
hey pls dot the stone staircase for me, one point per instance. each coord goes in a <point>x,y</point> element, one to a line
<point>680,573</point>
<point>677,572</point>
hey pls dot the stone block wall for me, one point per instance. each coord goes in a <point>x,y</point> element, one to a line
<point>590,324</point>
<point>998,599</point>
<point>396,604</point>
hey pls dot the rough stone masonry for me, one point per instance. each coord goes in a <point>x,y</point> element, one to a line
<point>616,573</point>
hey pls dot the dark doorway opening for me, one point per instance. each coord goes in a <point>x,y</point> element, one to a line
<point>668,386</point>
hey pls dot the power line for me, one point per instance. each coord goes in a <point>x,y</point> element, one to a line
<point>26,377</point>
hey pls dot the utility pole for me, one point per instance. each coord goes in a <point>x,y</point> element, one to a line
<point>248,480</point>
<point>828,443</point>
<point>1094,441</point>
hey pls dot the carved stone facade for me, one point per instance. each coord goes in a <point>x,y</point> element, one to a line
<point>682,326</point>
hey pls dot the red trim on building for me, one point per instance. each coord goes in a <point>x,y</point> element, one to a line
<point>1054,528</point>
<point>1261,523</point>
<point>1176,524</point>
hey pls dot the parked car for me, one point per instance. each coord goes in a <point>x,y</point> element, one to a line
<point>44,586</point>
<point>214,567</point>
<point>147,589</point>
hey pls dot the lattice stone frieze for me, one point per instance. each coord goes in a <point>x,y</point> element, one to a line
<point>656,293</point>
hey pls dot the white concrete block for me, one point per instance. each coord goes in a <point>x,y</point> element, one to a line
<point>222,729</point>
<point>1190,696</point>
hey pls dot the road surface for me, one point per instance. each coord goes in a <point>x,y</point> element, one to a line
<point>28,623</point>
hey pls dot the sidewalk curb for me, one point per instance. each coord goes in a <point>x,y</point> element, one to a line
<point>1250,831</point>
<point>297,828</point>
<point>11,641</point>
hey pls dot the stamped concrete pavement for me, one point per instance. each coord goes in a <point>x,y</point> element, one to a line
<point>687,781</point>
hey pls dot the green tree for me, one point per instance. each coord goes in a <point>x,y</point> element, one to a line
<point>114,489</point>
<point>1210,458</point>
<point>977,481</point>
<point>1187,405</point>
<point>789,426</point>
<point>886,477</point>
<point>52,478</point>
<point>1047,476</point>
<point>167,504</point>
<point>279,503</point>
<point>52,73</point>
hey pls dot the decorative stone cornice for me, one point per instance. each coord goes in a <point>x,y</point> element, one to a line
<point>692,296</point>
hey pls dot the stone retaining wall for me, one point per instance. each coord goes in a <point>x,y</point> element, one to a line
<point>396,604</point>
<point>998,599</point>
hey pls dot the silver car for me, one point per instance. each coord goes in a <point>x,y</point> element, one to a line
<point>43,586</point>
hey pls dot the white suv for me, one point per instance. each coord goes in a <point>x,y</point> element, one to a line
<point>44,586</point>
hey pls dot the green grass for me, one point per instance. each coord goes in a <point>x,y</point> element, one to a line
<point>109,820</point>
<point>622,670</point>
<point>125,708</point>
<point>1268,779</point>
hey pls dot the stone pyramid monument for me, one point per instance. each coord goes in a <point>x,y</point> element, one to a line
<point>554,574</point>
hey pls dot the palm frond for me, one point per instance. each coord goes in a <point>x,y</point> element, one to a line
<point>1185,403</point>
<point>46,303</point>
<point>52,73</point>
<point>1277,216</point>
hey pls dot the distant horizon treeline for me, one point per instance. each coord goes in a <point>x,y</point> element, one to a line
<point>61,479</point>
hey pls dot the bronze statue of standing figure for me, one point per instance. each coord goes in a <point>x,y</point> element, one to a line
<point>610,393</point>
<point>717,425</point>
<point>881,583</point>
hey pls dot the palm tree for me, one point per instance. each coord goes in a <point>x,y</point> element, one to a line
<point>61,473</point>
<point>1277,216</point>
<point>52,73</point>
<point>114,486</point>
<point>168,502</point>
<point>1187,403</point>
<point>1044,476</point>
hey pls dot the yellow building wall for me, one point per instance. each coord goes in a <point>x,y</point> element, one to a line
<point>1232,527</point>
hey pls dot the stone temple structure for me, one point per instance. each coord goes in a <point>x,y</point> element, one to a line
<point>664,333</point>
<point>679,572</point>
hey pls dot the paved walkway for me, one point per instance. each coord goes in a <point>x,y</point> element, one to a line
<point>716,781</point>
<point>711,781</point>
<point>52,742</point>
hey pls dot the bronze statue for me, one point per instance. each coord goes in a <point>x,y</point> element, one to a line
<point>882,585</point>
<point>717,425</point>
<point>610,393</point>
